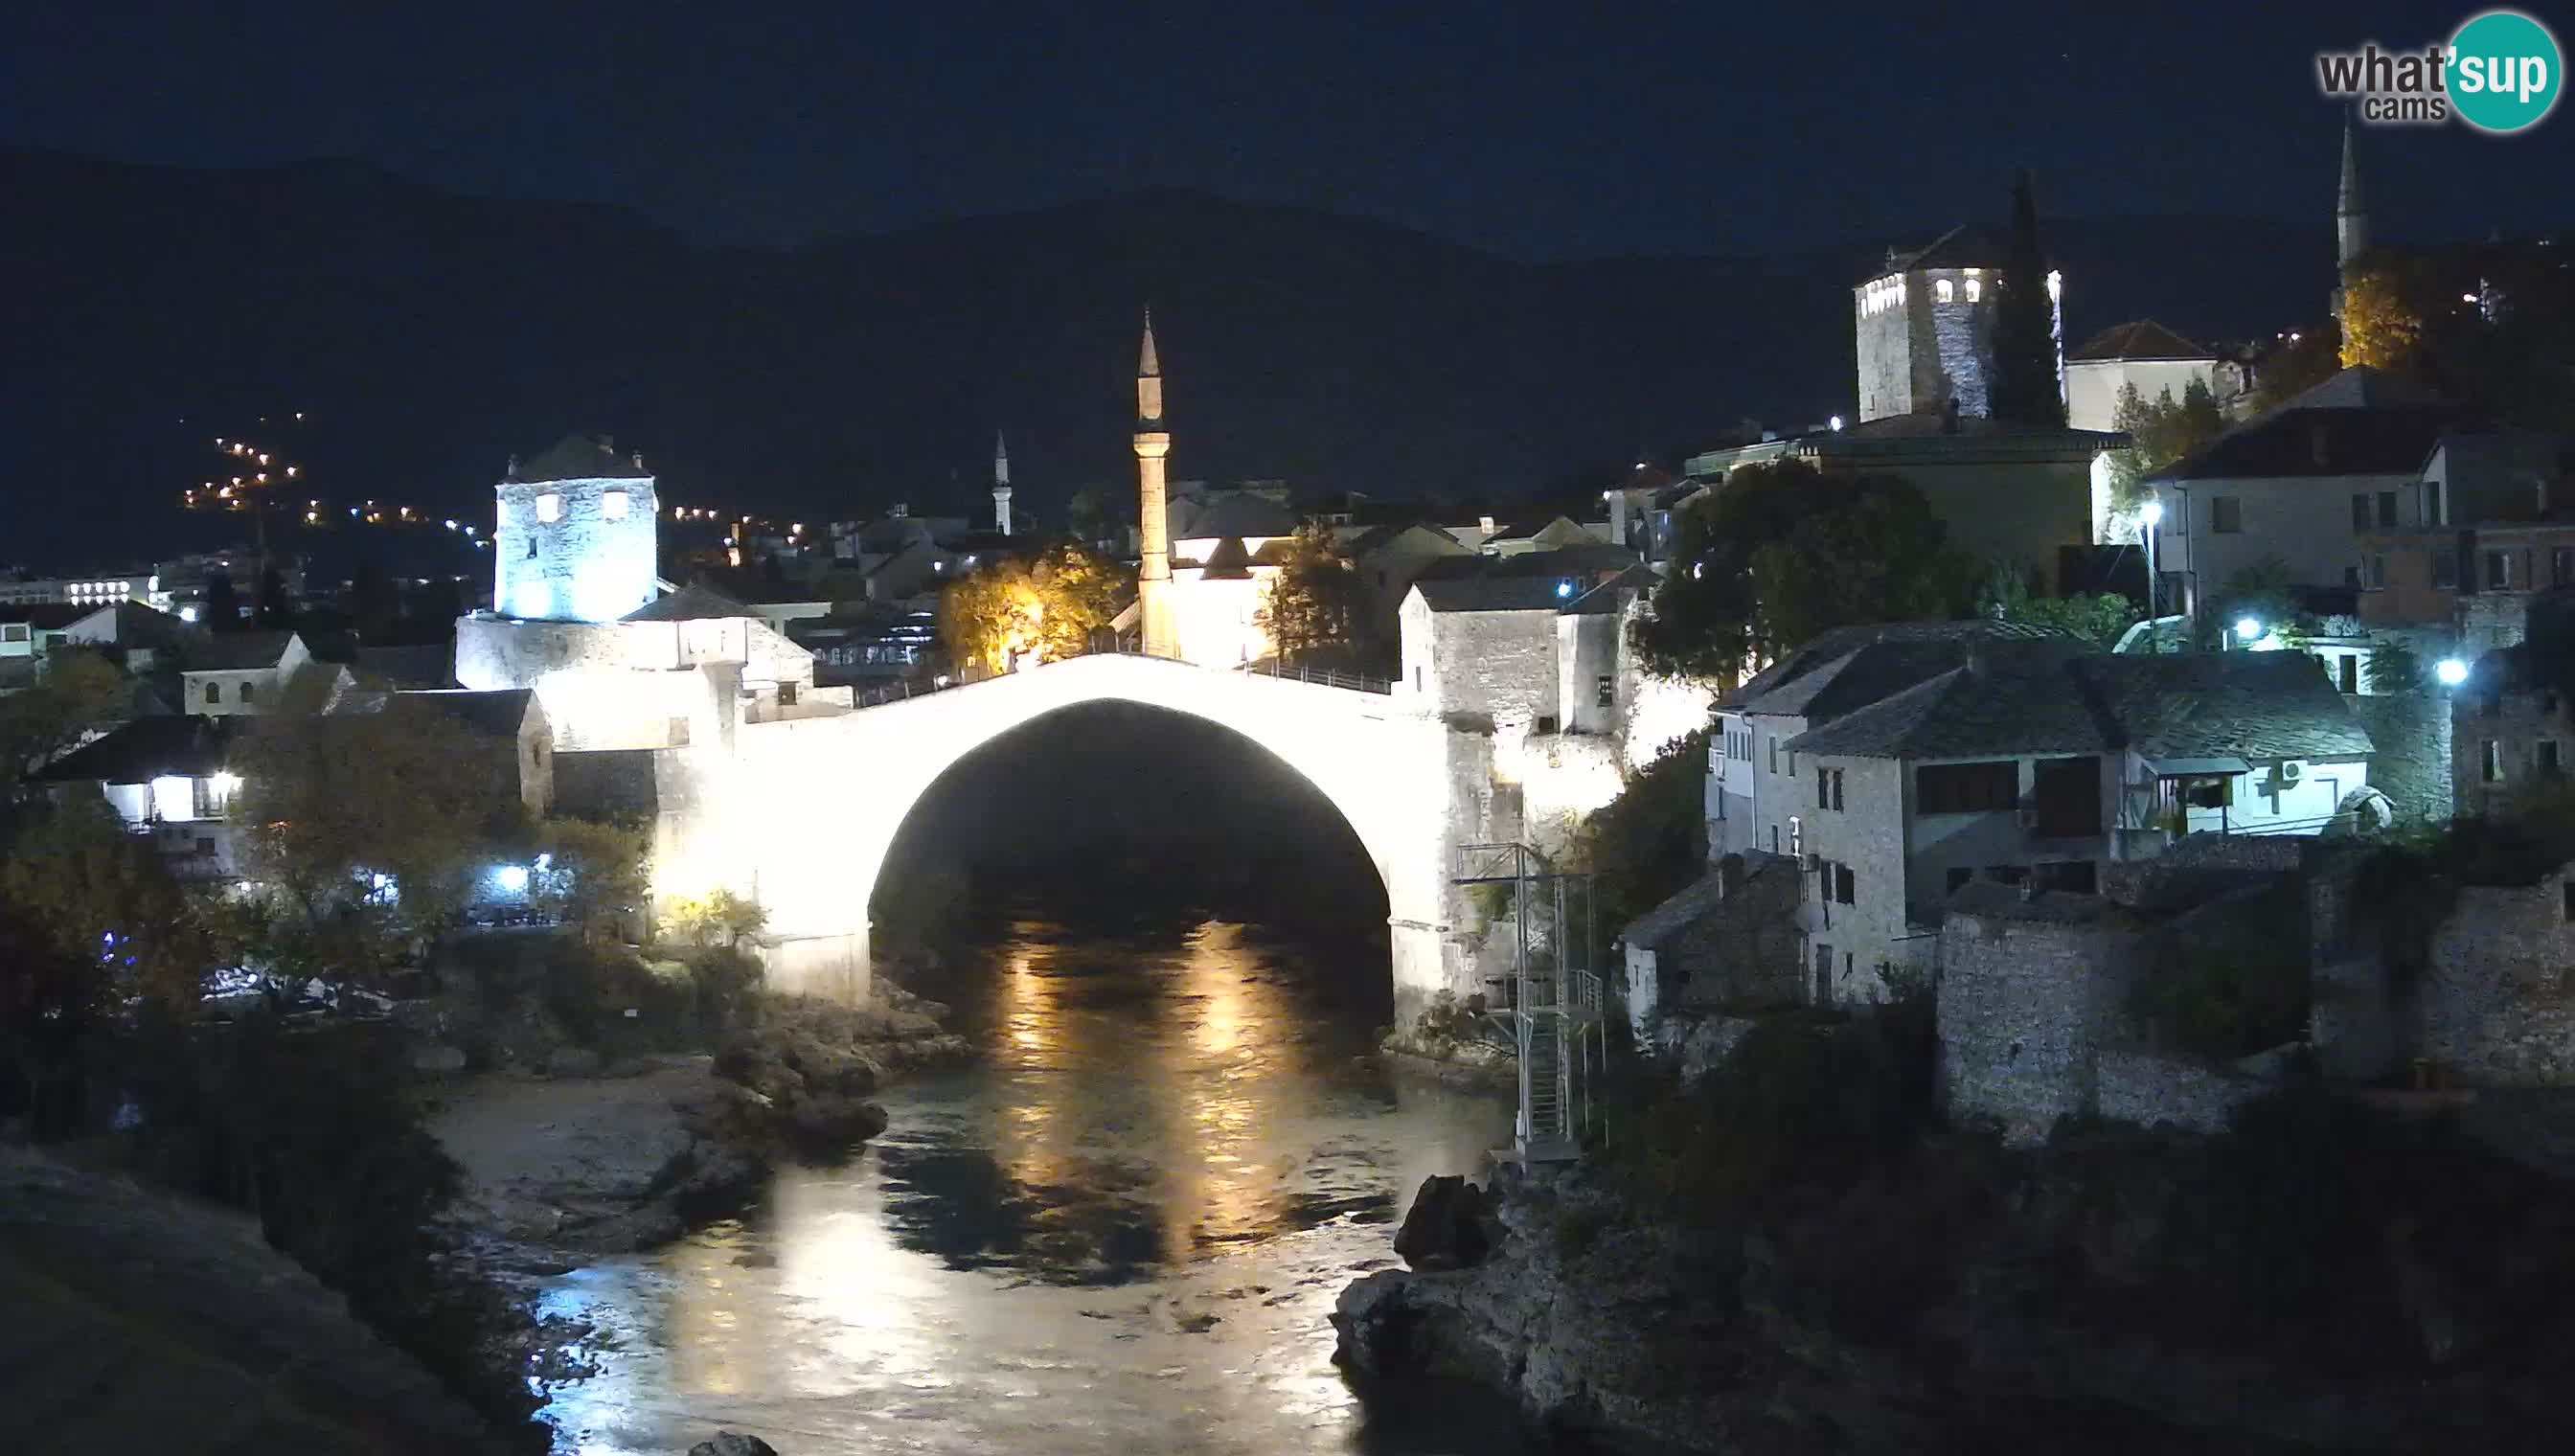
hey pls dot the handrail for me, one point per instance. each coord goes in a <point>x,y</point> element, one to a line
<point>1322,676</point>
<point>904,688</point>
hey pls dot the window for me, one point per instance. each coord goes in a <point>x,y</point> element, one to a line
<point>2387,507</point>
<point>1823,975</point>
<point>1844,883</point>
<point>1953,789</point>
<point>2360,511</point>
<point>1775,755</point>
<point>2225,515</point>
<point>612,506</point>
<point>1943,290</point>
<point>2213,790</point>
<point>214,693</point>
<point>2548,761</point>
<point>1774,838</point>
<point>13,632</point>
<point>1823,788</point>
<point>1544,725</point>
<point>1975,289</point>
<point>2065,798</point>
<point>1604,691</point>
<point>2350,666</point>
<point>2490,769</point>
<point>2378,578</point>
<point>532,547</point>
<point>2498,570</point>
<point>2561,566</point>
<point>787,694</point>
<point>1417,680</point>
<point>2432,512</point>
<point>550,506</point>
<point>1837,789</point>
<point>249,690</point>
<point>2445,570</point>
<point>1797,835</point>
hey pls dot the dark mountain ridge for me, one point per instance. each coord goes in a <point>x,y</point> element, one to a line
<point>430,335</point>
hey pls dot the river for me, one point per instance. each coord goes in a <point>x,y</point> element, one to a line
<point>1122,1231</point>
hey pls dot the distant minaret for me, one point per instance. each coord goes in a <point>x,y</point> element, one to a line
<point>1152,443</point>
<point>2351,219</point>
<point>1001,484</point>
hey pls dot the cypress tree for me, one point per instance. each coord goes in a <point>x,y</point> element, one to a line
<point>2026,387</point>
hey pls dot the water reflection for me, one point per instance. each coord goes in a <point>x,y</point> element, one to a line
<point>1122,1233</point>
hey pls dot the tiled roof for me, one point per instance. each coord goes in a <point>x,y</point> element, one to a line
<point>2140,339</point>
<point>2323,440</point>
<point>1878,671</point>
<point>1694,902</point>
<point>581,458</point>
<point>693,603</point>
<point>1238,513</point>
<point>1841,641</point>
<point>1605,597</point>
<point>1961,247</point>
<point>1226,561</point>
<point>1376,537</point>
<point>1493,593</point>
<point>149,748</point>
<point>494,712</point>
<point>412,665</point>
<point>2023,701</point>
<point>238,651</point>
<point>45,615</point>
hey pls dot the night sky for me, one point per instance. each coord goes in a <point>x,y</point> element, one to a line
<point>1539,131</point>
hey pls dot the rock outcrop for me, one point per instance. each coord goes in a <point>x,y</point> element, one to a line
<point>1444,1227</point>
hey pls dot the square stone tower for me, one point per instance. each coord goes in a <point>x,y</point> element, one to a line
<point>578,535</point>
<point>1925,327</point>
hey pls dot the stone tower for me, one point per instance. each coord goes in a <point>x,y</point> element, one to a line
<point>1923,328</point>
<point>576,534</point>
<point>1162,636</point>
<point>1001,484</point>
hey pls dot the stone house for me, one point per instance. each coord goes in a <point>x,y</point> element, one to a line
<point>1753,802</point>
<point>512,725</point>
<point>2305,484</point>
<point>238,672</point>
<point>2510,725</point>
<point>169,780</point>
<point>2141,353</point>
<point>1388,560</point>
<point>1724,942</point>
<point>2029,765</point>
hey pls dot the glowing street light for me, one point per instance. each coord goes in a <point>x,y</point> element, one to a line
<point>2451,671</point>
<point>2247,629</point>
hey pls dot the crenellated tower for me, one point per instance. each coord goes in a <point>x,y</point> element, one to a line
<point>1153,444</point>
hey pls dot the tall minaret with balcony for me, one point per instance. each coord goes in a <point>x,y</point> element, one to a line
<point>1162,637</point>
<point>1001,484</point>
<point>2352,220</point>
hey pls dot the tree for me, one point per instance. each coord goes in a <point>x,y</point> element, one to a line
<point>1315,606</point>
<point>101,894</point>
<point>271,606</point>
<point>2381,326</point>
<point>2295,366</point>
<point>80,694</point>
<point>374,604</point>
<point>2026,390</point>
<point>2392,667</point>
<point>1752,577</point>
<point>1045,608</point>
<point>594,872</point>
<point>368,826</point>
<point>2097,618</point>
<point>1095,514</point>
<point>222,608</point>
<point>700,919</point>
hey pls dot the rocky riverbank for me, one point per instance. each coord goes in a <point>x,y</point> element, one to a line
<point>2323,1278</point>
<point>140,1321</point>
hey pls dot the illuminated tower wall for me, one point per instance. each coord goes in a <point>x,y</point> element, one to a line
<point>576,539</point>
<point>1153,444</point>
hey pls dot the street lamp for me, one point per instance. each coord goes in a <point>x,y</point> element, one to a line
<point>2153,515</point>
<point>2247,631</point>
<point>2451,671</point>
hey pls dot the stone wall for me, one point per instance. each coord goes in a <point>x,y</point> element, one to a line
<point>2029,997</point>
<point>583,564</point>
<point>2516,722</point>
<point>2153,1090</point>
<point>2412,763</point>
<point>2495,1004</point>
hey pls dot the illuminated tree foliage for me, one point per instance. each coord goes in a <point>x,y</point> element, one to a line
<point>1042,610</point>
<point>595,872</point>
<point>2159,433</point>
<point>2381,325</point>
<point>1316,607</point>
<point>2099,618</point>
<point>100,894</point>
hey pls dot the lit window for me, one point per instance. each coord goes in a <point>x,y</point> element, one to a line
<point>612,506</point>
<point>550,506</point>
<point>1975,289</point>
<point>1944,291</point>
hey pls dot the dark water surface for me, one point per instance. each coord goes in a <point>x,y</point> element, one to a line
<point>1120,1232</point>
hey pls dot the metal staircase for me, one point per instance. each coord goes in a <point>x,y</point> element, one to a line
<point>1550,1003</point>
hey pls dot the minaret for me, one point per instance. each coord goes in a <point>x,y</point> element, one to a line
<point>1001,484</point>
<point>1152,443</point>
<point>2352,220</point>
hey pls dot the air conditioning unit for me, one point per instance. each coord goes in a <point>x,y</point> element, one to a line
<point>2289,771</point>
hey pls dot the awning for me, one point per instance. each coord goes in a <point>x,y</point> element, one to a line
<point>2195,768</point>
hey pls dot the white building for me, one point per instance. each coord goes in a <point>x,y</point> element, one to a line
<point>233,673</point>
<point>169,778</point>
<point>2144,354</point>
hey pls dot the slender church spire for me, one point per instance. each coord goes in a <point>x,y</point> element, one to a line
<point>1001,484</point>
<point>1161,636</point>
<point>2351,212</point>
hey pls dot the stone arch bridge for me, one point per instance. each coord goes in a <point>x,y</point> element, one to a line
<point>799,813</point>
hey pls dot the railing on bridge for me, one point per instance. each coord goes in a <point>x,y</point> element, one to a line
<point>898,691</point>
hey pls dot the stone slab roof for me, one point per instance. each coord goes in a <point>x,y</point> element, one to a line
<point>1841,641</point>
<point>693,603</point>
<point>238,651</point>
<point>582,458</point>
<point>46,616</point>
<point>2140,339</point>
<point>1239,512</point>
<point>1961,247</point>
<point>1696,901</point>
<point>191,746</point>
<point>1491,593</point>
<point>492,712</point>
<point>2255,706</point>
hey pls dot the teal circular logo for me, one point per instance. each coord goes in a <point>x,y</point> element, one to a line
<point>2504,71</point>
